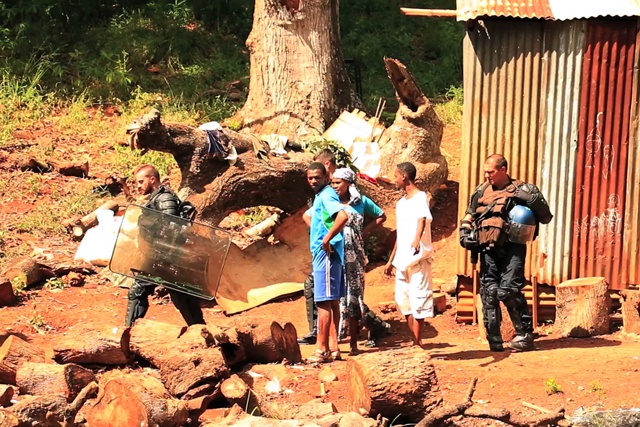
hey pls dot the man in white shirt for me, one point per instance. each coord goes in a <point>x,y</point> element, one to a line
<point>412,253</point>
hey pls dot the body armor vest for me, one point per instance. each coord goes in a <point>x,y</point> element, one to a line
<point>492,227</point>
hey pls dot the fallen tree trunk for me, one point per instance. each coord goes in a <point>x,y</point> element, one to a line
<point>401,381</point>
<point>135,399</point>
<point>79,169</point>
<point>26,272</point>
<point>44,378</point>
<point>149,338</point>
<point>47,411</point>
<point>582,307</point>
<point>14,351</point>
<point>85,344</point>
<point>630,311</point>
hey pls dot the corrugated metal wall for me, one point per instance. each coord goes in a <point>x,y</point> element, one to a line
<point>502,100</point>
<point>561,75</point>
<point>603,149</point>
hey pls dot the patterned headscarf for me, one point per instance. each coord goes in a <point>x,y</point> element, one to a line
<point>348,175</point>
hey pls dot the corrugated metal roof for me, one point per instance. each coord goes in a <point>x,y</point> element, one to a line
<point>547,9</point>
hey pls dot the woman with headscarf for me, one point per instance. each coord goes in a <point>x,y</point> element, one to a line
<point>352,307</point>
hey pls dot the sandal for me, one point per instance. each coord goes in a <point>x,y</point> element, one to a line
<point>336,355</point>
<point>319,356</point>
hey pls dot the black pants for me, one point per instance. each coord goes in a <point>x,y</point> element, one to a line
<point>138,304</point>
<point>312,310</point>
<point>502,279</point>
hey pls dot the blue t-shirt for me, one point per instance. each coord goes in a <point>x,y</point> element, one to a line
<point>326,206</point>
<point>367,207</point>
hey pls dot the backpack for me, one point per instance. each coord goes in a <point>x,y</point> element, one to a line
<point>187,211</point>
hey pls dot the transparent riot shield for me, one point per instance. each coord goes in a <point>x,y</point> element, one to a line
<point>170,251</point>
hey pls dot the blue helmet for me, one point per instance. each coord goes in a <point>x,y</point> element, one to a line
<point>522,224</point>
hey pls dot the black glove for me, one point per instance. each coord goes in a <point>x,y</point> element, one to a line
<point>468,238</point>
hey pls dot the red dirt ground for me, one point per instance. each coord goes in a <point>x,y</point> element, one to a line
<point>600,372</point>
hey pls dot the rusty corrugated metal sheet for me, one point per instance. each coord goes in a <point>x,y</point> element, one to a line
<point>502,75</point>
<point>603,149</point>
<point>631,250</point>
<point>561,79</point>
<point>547,9</point>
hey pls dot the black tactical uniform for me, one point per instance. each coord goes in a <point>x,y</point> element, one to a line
<point>502,261</point>
<point>162,200</point>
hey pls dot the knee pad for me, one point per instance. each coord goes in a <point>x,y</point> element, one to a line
<point>489,296</point>
<point>507,296</point>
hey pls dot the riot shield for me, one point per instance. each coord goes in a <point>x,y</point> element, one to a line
<point>170,251</point>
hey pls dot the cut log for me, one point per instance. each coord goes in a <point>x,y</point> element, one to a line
<point>268,344</point>
<point>506,327</point>
<point>263,228</point>
<point>86,344</point>
<point>630,311</point>
<point>237,392</point>
<point>149,338</point>
<point>79,226</point>
<point>135,399</point>
<point>27,272</point>
<point>6,394</point>
<point>7,296</point>
<point>583,307</point>
<point>15,350</point>
<point>44,378</point>
<point>400,381</point>
<point>185,361</point>
<point>49,410</point>
<point>77,168</point>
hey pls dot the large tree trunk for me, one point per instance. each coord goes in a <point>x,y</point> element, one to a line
<point>393,382</point>
<point>212,185</point>
<point>416,133</point>
<point>298,81</point>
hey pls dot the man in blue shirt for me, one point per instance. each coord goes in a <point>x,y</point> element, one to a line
<point>327,252</point>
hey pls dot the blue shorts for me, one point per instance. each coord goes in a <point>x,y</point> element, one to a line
<point>328,277</point>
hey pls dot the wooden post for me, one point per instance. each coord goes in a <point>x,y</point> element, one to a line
<point>534,301</point>
<point>583,307</point>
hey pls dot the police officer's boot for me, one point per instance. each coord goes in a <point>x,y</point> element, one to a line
<point>492,316</point>
<point>522,323</point>
<point>138,303</point>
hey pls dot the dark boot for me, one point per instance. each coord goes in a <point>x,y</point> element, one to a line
<point>189,307</point>
<point>138,301</point>
<point>310,338</point>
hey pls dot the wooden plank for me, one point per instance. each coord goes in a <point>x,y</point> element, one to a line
<point>435,13</point>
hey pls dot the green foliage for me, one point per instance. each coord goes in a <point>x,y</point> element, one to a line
<point>256,215</point>
<point>596,388</point>
<point>54,283</point>
<point>19,283</point>
<point>343,158</point>
<point>552,387</point>
<point>450,111</point>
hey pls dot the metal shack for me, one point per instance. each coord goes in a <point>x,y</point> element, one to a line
<point>553,85</point>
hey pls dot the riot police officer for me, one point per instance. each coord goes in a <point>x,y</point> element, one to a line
<point>503,214</point>
<point>162,199</point>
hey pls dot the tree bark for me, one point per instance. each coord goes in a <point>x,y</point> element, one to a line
<point>80,225</point>
<point>630,311</point>
<point>298,81</point>
<point>91,345</point>
<point>213,185</point>
<point>149,339</point>
<point>583,307</point>
<point>14,351</point>
<point>416,133</point>
<point>392,382</point>
<point>135,399</point>
<point>268,344</point>
<point>44,378</point>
